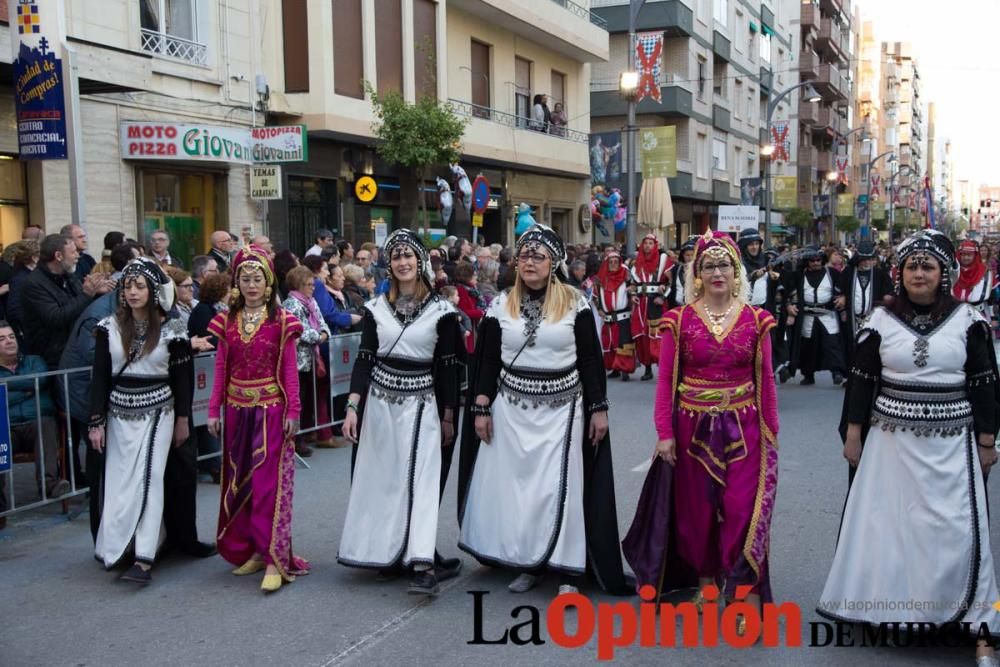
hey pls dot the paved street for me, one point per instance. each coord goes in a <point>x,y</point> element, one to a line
<point>63,609</point>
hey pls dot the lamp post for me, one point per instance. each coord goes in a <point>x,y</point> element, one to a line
<point>833,175</point>
<point>868,208</point>
<point>767,150</point>
<point>629,85</point>
<point>892,179</point>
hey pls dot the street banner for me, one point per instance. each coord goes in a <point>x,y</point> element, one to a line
<point>785,192</point>
<point>841,166</point>
<point>861,208</point>
<point>658,146</point>
<point>38,31</point>
<point>779,137</point>
<point>648,59</point>
<point>735,219</point>
<point>845,206</point>
<point>821,206</point>
<point>751,192</point>
<point>878,209</point>
<point>343,354</point>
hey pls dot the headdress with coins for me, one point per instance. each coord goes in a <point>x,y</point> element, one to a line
<point>409,239</point>
<point>928,243</point>
<point>540,236</point>
<point>161,288</point>
<point>718,246</point>
<point>253,258</point>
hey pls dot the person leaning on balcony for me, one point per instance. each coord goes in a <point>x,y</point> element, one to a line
<point>559,120</point>
<point>541,117</point>
<point>27,416</point>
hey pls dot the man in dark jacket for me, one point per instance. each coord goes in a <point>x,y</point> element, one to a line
<point>54,297</point>
<point>85,263</point>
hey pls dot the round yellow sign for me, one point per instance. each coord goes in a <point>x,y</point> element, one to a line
<point>365,189</point>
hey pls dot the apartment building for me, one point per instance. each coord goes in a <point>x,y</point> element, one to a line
<point>825,59</point>
<point>489,58</point>
<point>722,61</point>
<point>147,66</point>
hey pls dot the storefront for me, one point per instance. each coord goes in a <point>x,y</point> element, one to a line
<point>554,201</point>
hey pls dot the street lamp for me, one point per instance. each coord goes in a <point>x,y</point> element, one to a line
<point>768,150</point>
<point>629,85</point>
<point>889,193</point>
<point>834,174</point>
<point>868,208</point>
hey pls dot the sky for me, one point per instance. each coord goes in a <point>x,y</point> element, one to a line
<point>957,48</point>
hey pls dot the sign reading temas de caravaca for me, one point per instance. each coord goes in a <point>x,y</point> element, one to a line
<point>265,181</point>
<point>38,31</point>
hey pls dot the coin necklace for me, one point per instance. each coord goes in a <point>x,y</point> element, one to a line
<point>250,322</point>
<point>717,319</point>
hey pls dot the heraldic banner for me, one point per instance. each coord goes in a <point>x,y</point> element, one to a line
<point>649,59</point>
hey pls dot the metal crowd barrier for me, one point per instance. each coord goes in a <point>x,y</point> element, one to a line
<point>343,350</point>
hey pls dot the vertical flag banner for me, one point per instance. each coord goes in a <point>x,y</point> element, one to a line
<point>845,206</point>
<point>658,146</point>
<point>38,32</point>
<point>876,186</point>
<point>779,137</point>
<point>841,166</point>
<point>649,58</point>
<point>785,192</point>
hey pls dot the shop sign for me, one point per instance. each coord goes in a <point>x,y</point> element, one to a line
<point>365,189</point>
<point>265,181</point>
<point>38,31</point>
<point>141,140</point>
<point>786,193</point>
<point>735,219</point>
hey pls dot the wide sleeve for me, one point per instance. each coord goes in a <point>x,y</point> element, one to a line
<point>489,360</point>
<point>981,378</point>
<point>589,362</point>
<point>663,411</point>
<point>217,328</point>
<point>289,369</point>
<point>361,374</point>
<point>449,369</point>
<point>100,384</point>
<point>768,389</point>
<point>181,375</point>
<point>865,374</point>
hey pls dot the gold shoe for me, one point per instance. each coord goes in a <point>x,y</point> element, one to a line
<point>271,583</point>
<point>699,601</point>
<point>249,567</point>
<point>741,625</point>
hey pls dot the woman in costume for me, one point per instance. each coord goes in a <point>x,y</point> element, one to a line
<point>140,404</point>
<point>915,525</point>
<point>255,404</point>
<point>649,277</point>
<point>717,422</point>
<point>611,286</point>
<point>976,281</point>
<point>403,400</point>
<point>536,486</point>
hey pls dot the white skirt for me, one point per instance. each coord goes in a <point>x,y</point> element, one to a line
<point>134,462</point>
<point>914,543</point>
<point>393,507</point>
<point>524,507</point>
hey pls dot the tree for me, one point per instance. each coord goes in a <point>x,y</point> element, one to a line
<point>416,137</point>
<point>799,217</point>
<point>848,223</point>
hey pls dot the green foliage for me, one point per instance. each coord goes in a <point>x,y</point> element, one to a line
<point>798,217</point>
<point>416,136</point>
<point>848,223</point>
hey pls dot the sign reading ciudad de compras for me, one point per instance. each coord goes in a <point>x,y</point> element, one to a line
<point>37,33</point>
<point>145,140</point>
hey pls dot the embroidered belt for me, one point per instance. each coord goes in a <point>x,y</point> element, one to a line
<point>714,397</point>
<point>545,387</point>
<point>649,288</point>
<point>135,403</point>
<point>818,309</point>
<point>618,317</point>
<point>395,385</point>
<point>253,393</point>
<point>923,409</point>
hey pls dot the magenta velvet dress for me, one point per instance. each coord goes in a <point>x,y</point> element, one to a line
<point>257,384</point>
<point>716,398</point>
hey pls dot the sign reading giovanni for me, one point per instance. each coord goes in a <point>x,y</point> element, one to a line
<point>142,140</point>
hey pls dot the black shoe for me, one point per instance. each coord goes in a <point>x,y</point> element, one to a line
<point>838,379</point>
<point>198,549</point>
<point>648,375</point>
<point>784,375</point>
<point>809,379</point>
<point>137,575</point>
<point>423,583</point>
<point>303,450</point>
<point>446,568</point>
<point>613,374</point>
<point>389,574</point>
<point>626,377</point>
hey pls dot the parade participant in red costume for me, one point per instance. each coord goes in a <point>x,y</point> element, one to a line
<point>611,293</point>
<point>649,277</point>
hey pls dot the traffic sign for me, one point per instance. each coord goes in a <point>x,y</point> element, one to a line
<point>365,189</point>
<point>477,219</point>
<point>480,194</point>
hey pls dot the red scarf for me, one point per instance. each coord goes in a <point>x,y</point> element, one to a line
<point>610,282</point>
<point>969,276</point>
<point>647,264</point>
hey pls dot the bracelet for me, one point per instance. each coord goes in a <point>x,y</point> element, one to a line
<point>97,422</point>
<point>351,405</point>
<point>481,410</point>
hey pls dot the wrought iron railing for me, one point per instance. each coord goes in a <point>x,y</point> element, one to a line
<point>517,122</point>
<point>171,46</point>
<point>583,13</point>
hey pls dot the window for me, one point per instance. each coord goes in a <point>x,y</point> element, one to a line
<point>389,37</point>
<point>719,150</point>
<point>348,48</point>
<point>720,84</point>
<point>737,108</point>
<point>701,77</point>
<point>424,47</point>
<point>557,95</point>
<point>765,47</point>
<point>480,73</point>
<point>734,177</point>
<point>749,100</point>
<point>702,158</point>
<point>522,91</point>
<point>170,28</point>
<point>721,12</point>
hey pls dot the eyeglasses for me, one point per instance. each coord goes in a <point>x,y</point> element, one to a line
<point>711,268</point>
<point>534,257</point>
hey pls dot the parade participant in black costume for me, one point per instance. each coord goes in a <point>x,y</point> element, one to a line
<point>676,291</point>
<point>536,486</point>
<point>816,342</point>
<point>766,288</point>
<point>864,285</point>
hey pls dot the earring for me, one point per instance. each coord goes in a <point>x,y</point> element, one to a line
<point>698,284</point>
<point>267,294</point>
<point>234,293</point>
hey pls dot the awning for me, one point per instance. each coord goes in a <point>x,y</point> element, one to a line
<point>753,27</point>
<point>766,30</point>
<point>656,209</point>
<point>779,230</point>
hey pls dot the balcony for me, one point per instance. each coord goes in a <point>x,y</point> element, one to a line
<point>766,81</point>
<point>830,83</point>
<point>809,18</point>
<point>808,66</point>
<point>675,103</point>
<point>824,161</point>
<point>807,156</point>
<point>831,39</point>
<point>178,48</point>
<point>808,113</point>
<point>720,118</point>
<point>831,6</point>
<point>671,16</point>
<point>563,26</point>
<point>720,46</point>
